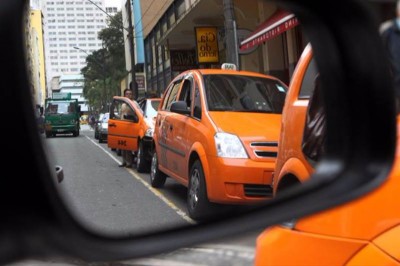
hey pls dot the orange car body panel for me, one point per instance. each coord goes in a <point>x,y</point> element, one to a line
<point>291,247</point>
<point>372,221</point>
<point>124,134</point>
<point>177,137</point>
<point>291,160</point>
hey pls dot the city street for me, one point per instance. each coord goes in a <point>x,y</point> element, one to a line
<point>120,201</point>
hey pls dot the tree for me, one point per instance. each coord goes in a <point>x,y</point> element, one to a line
<point>105,67</point>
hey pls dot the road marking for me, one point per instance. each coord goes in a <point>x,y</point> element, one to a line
<point>157,193</point>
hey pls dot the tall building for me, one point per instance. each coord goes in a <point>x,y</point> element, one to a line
<point>73,84</point>
<point>38,74</point>
<point>69,24</point>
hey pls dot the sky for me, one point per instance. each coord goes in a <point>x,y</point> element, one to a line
<point>113,2</point>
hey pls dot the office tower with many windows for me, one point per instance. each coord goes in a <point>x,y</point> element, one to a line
<point>69,24</point>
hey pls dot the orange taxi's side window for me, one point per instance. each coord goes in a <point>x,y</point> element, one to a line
<point>197,102</point>
<point>307,86</point>
<point>186,92</point>
<point>172,94</point>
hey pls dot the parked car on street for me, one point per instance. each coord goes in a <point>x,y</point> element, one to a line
<point>96,128</point>
<point>146,143</point>
<point>134,131</point>
<point>208,137</point>
<point>292,166</point>
<point>102,127</point>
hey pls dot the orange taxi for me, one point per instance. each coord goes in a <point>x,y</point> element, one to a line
<point>134,132</point>
<point>217,133</point>
<point>365,231</point>
<point>292,167</point>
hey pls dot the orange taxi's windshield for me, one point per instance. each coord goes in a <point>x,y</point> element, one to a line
<point>240,93</point>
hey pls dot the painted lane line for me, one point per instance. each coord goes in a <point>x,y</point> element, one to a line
<point>157,193</point>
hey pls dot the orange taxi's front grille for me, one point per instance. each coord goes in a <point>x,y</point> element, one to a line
<point>265,149</point>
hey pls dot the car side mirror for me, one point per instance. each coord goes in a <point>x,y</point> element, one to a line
<point>133,118</point>
<point>361,101</point>
<point>180,107</point>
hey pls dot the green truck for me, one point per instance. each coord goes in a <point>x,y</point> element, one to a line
<point>61,115</point>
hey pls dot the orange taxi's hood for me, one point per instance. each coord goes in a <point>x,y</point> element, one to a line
<point>245,124</point>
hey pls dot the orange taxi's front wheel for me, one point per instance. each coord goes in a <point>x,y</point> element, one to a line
<point>199,207</point>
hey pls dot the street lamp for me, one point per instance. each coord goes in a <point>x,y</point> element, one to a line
<point>102,65</point>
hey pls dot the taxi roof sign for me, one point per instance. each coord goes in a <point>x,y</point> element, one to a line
<point>228,66</point>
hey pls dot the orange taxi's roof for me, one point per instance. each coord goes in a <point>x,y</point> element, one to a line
<point>213,71</point>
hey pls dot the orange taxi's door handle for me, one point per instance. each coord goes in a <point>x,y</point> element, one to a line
<point>112,125</point>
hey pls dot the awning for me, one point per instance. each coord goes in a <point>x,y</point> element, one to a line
<point>275,25</point>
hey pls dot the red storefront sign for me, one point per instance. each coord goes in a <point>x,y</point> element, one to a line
<point>277,24</point>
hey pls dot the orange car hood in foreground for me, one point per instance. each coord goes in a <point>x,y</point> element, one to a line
<point>360,232</point>
<point>365,217</point>
<point>244,124</point>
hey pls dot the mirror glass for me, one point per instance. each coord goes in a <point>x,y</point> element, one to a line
<point>169,170</point>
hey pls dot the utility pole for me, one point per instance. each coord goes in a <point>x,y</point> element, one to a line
<point>232,54</point>
<point>133,85</point>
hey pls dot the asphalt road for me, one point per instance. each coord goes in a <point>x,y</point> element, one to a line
<point>120,201</point>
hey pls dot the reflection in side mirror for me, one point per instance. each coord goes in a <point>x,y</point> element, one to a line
<point>180,107</point>
<point>133,118</point>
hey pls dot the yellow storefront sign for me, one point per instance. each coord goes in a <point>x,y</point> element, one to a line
<point>207,45</point>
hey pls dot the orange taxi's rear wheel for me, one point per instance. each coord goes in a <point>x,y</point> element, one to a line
<point>157,178</point>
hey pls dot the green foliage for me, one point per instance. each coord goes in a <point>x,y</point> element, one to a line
<point>105,67</point>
